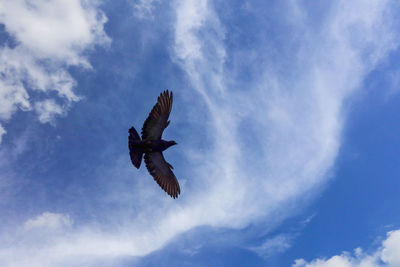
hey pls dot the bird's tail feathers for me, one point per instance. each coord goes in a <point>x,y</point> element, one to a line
<point>135,153</point>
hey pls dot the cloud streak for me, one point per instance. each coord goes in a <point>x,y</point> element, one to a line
<point>48,220</point>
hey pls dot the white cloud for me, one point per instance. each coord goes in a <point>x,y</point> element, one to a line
<point>50,36</point>
<point>47,109</point>
<point>294,124</point>
<point>144,8</point>
<point>387,255</point>
<point>2,131</point>
<point>292,121</point>
<point>273,245</point>
<point>49,221</point>
<point>57,30</point>
<point>391,247</point>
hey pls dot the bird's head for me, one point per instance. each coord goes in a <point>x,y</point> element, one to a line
<point>171,143</point>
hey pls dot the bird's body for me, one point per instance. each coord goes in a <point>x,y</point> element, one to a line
<point>152,146</point>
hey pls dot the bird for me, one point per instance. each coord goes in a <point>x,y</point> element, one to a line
<point>152,145</point>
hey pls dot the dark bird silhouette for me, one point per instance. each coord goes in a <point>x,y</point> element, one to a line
<point>152,146</point>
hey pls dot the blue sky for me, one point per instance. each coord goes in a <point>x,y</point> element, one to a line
<point>285,114</point>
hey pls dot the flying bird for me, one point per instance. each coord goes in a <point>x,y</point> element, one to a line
<point>152,145</point>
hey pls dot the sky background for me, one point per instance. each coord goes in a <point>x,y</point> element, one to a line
<point>285,113</point>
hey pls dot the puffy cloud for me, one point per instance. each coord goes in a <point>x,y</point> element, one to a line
<point>386,255</point>
<point>57,30</point>
<point>391,247</point>
<point>49,36</point>
<point>47,109</point>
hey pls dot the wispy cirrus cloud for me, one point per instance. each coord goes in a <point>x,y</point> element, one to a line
<point>144,8</point>
<point>271,135</point>
<point>276,244</point>
<point>48,38</point>
<point>48,220</point>
<point>295,123</point>
<point>2,131</point>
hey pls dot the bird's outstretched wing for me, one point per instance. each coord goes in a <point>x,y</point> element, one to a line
<point>162,173</point>
<point>157,120</point>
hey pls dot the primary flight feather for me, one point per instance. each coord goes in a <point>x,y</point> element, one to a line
<point>152,145</point>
